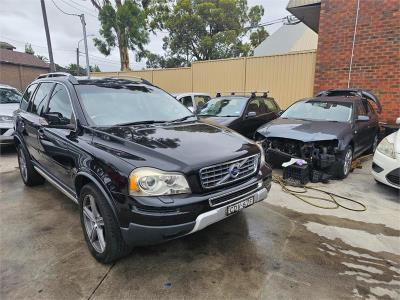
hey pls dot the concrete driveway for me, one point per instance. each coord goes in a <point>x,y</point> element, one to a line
<point>281,248</point>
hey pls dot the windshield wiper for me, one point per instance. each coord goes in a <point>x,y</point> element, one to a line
<point>182,119</point>
<point>139,123</point>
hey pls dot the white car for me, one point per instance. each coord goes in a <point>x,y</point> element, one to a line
<point>193,101</point>
<point>386,161</point>
<point>9,102</point>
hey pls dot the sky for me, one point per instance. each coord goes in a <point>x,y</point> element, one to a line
<point>21,22</point>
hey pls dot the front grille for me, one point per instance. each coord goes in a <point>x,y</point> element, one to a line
<point>3,130</point>
<point>394,177</point>
<point>228,172</point>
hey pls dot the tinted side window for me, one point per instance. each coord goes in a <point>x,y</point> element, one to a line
<point>27,95</point>
<point>257,106</point>
<point>366,107</point>
<point>270,104</point>
<point>360,110</point>
<point>60,103</point>
<point>187,101</point>
<point>37,105</point>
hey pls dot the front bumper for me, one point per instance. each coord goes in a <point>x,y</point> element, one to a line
<point>138,235</point>
<point>382,166</point>
<point>6,134</point>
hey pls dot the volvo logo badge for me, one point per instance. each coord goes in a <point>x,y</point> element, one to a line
<point>234,170</point>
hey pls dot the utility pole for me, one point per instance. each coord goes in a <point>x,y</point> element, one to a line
<point>77,61</point>
<point>46,28</point>
<point>82,17</point>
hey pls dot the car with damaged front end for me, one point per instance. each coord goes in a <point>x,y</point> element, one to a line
<point>142,168</point>
<point>328,131</point>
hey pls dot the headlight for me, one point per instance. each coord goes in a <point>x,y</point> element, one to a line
<point>152,182</point>
<point>387,148</point>
<point>6,119</point>
<point>262,156</point>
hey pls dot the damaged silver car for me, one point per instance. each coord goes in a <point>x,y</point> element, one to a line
<point>328,131</point>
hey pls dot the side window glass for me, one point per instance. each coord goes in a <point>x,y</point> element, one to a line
<point>257,106</point>
<point>371,108</point>
<point>187,101</point>
<point>37,105</point>
<point>27,95</point>
<point>60,104</point>
<point>270,104</point>
<point>366,107</point>
<point>360,110</point>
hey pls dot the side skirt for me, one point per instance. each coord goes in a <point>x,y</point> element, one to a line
<point>57,184</point>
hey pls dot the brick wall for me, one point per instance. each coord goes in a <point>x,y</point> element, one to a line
<point>376,61</point>
<point>19,76</point>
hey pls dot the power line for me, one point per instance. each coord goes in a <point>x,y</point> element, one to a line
<point>69,14</point>
<point>74,7</point>
<point>83,6</point>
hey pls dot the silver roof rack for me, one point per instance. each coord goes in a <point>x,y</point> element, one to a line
<point>70,77</point>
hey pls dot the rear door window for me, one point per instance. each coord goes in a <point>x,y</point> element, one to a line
<point>27,95</point>
<point>257,106</point>
<point>270,104</point>
<point>201,100</point>
<point>38,103</point>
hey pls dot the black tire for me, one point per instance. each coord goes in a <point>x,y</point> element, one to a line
<point>114,247</point>
<point>343,167</point>
<point>28,174</point>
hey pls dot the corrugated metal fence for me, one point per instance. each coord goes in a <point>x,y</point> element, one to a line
<point>287,77</point>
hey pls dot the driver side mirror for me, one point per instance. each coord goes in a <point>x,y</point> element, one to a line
<point>362,118</point>
<point>251,114</point>
<point>56,119</point>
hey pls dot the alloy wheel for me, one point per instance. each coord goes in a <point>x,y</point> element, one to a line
<point>22,165</point>
<point>347,161</point>
<point>94,223</point>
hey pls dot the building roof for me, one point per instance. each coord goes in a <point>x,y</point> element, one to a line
<point>288,38</point>
<point>20,58</point>
<point>5,45</point>
<point>306,11</point>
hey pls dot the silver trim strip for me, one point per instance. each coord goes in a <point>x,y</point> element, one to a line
<point>218,214</point>
<point>56,184</point>
<point>259,184</point>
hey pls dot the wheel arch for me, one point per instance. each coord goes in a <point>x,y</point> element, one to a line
<point>82,178</point>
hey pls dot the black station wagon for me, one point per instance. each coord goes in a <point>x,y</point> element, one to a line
<point>141,166</point>
<point>242,113</point>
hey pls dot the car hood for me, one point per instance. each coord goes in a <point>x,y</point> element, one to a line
<point>305,130</point>
<point>7,109</point>
<point>225,121</point>
<point>184,146</point>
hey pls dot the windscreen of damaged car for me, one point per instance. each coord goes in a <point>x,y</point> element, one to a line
<point>320,111</point>
<point>224,107</point>
<point>10,96</point>
<point>123,105</point>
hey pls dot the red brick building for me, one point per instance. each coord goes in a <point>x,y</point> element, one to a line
<point>370,29</point>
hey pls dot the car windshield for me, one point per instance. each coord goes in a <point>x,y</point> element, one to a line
<point>10,96</point>
<point>109,105</point>
<point>224,107</point>
<point>320,111</point>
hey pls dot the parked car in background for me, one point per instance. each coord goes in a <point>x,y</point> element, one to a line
<point>193,101</point>
<point>9,102</point>
<point>241,113</point>
<point>386,161</point>
<point>148,172</point>
<point>328,131</point>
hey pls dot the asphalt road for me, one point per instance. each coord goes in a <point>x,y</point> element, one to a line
<point>281,248</point>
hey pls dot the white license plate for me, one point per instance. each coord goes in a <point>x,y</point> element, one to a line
<point>234,208</point>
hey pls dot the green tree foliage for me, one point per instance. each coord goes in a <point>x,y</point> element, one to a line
<point>123,25</point>
<point>207,29</point>
<point>28,49</point>
<point>73,69</point>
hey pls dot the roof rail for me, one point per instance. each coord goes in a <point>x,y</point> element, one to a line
<point>252,93</point>
<point>70,77</point>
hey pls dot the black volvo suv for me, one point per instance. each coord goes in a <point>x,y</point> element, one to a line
<point>142,168</point>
